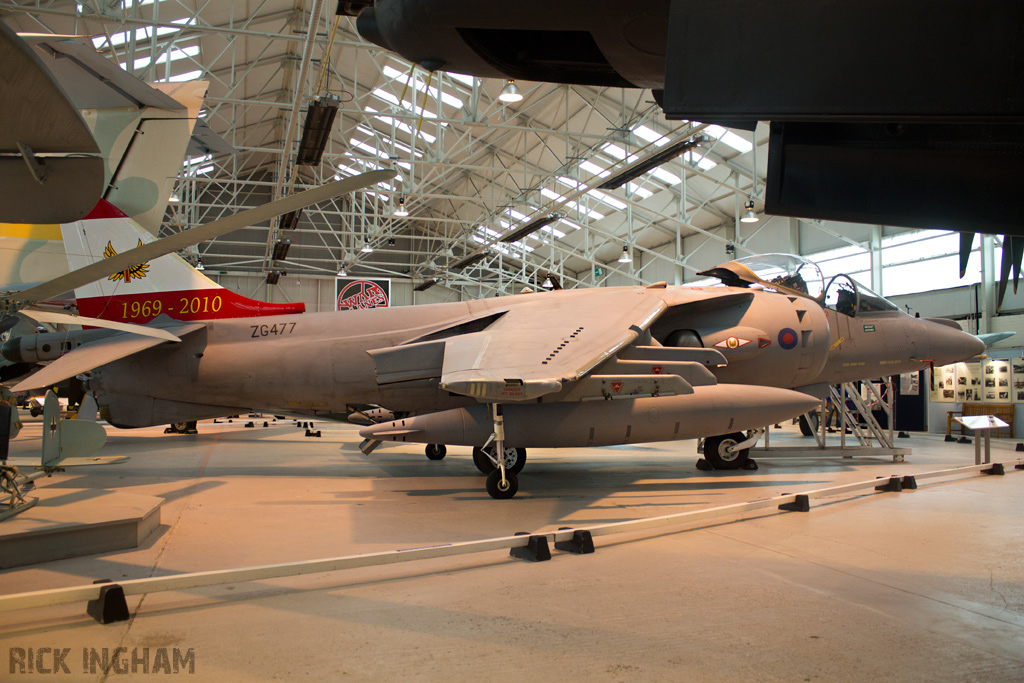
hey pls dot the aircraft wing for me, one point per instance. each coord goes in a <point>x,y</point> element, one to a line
<point>535,348</point>
<point>97,353</point>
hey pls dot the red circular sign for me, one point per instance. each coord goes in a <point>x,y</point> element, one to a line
<point>362,294</point>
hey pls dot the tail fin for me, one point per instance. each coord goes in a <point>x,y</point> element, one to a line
<point>167,285</point>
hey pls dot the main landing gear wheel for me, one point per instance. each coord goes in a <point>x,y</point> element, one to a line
<point>502,490</point>
<point>717,455</point>
<point>515,459</point>
<point>436,451</point>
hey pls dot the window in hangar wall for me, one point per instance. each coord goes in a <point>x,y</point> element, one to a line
<point>918,261</point>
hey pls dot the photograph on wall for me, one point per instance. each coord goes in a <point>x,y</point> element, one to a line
<point>360,293</point>
<point>973,380</point>
<point>1017,380</point>
<point>910,384</point>
<point>943,384</point>
<point>997,381</point>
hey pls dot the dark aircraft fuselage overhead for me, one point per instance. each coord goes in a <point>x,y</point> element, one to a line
<point>903,114</point>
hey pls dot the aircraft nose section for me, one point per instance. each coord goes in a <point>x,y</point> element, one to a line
<point>950,344</point>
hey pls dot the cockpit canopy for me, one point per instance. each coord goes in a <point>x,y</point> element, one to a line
<point>797,275</point>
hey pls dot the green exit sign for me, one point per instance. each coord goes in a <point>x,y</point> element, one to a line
<point>598,271</point>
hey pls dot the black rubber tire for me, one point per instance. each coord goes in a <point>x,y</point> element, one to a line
<point>718,458</point>
<point>179,427</point>
<point>436,451</point>
<point>494,487</point>
<point>484,463</point>
<point>809,423</point>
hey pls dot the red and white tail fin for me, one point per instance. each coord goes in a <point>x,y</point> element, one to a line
<point>168,284</point>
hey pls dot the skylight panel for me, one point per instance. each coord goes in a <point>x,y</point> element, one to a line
<point>553,231</point>
<point>551,194</point>
<point>593,169</point>
<point>166,58</point>
<point>367,148</point>
<point>648,135</point>
<point>728,137</point>
<point>515,214</point>
<point>462,78</point>
<point>618,153</point>
<point>665,177</point>
<point>569,224</point>
<point>181,78</point>
<point>140,34</point>
<point>571,183</point>
<point>489,232</point>
<point>701,161</point>
<point>431,91</point>
<point>584,210</point>
<point>391,99</point>
<point>641,192</point>
<point>607,199</point>
<point>404,127</point>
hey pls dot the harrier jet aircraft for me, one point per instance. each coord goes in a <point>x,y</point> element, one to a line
<point>583,367</point>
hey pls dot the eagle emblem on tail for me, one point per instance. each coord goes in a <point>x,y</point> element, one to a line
<point>127,274</point>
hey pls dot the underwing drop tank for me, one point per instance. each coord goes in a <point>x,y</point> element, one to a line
<point>709,411</point>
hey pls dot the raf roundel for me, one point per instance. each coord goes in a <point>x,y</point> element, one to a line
<point>787,338</point>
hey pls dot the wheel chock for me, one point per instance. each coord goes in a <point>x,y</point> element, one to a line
<point>963,439</point>
<point>110,606</point>
<point>909,482</point>
<point>250,425</point>
<point>1019,466</point>
<point>749,464</point>
<point>895,484</point>
<point>704,466</point>
<point>997,469</point>
<point>950,437</point>
<point>801,504</point>
<point>903,435</point>
<point>582,542</point>
<point>535,551</point>
<point>266,424</point>
<point>310,432</point>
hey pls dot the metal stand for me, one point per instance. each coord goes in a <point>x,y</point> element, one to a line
<point>11,481</point>
<point>858,419</point>
<point>982,425</point>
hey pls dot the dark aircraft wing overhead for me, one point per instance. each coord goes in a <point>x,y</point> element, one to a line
<point>39,119</point>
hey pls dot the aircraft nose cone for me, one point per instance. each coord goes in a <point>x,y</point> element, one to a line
<point>949,345</point>
<point>11,350</point>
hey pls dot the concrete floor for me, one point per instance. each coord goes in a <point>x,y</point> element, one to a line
<point>920,585</point>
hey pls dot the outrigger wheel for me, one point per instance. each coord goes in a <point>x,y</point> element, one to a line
<point>718,455</point>
<point>515,459</point>
<point>436,451</point>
